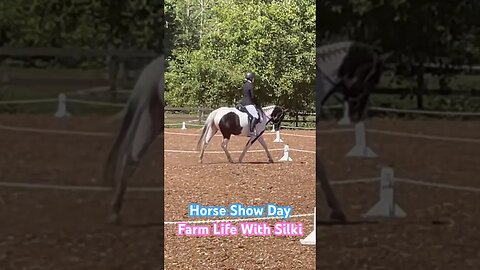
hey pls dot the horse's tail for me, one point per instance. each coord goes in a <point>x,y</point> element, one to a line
<point>142,122</point>
<point>206,127</point>
<point>115,165</point>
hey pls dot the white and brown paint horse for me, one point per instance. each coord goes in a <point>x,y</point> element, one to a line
<point>352,70</point>
<point>232,121</point>
<point>142,124</point>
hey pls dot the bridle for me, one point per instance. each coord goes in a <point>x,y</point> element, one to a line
<point>363,93</point>
<point>268,121</point>
<point>271,118</point>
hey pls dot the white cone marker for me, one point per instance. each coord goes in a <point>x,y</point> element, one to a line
<point>386,206</point>
<point>277,137</point>
<point>286,156</point>
<point>310,240</point>
<point>62,107</point>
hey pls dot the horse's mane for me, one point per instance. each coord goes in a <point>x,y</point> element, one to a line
<point>269,107</point>
<point>327,51</point>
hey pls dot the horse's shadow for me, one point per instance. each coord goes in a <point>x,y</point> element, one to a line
<point>237,163</point>
<point>255,162</point>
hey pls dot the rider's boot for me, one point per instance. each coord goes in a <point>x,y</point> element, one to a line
<point>252,123</point>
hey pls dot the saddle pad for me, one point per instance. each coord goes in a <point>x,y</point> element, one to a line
<point>242,108</point>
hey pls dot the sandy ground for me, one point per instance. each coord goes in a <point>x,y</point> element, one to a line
<point>58,229</point>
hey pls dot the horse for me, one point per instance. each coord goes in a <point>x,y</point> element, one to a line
<point>142,123</point>
<point>350,69</point>
<point>234,121</point>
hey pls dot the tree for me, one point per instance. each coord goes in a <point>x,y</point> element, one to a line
<point>420,32</point>
<point>274,39</point>
<point>88,23</point>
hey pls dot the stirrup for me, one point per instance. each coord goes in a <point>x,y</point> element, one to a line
<point>252,133</point>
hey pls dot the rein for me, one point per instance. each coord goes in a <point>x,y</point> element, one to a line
<point>364,81</point>
<point>268,121</point>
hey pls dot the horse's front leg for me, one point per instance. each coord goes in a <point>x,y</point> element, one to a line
<point>331,199</point>
<point>224,147</point>
<point>264,145</point>
<point>245,149</point>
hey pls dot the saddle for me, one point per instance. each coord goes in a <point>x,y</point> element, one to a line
<point>241,108</point>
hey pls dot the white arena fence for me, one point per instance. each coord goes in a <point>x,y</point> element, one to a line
<point>385,207</point>
<point>62,109</point>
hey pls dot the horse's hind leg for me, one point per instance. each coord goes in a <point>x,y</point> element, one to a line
<point>202,151</point>
<point>117,202</point>
<point>210,133</point>
<point>332,202</point>
<point>224,147</point>
<point>120,189</point>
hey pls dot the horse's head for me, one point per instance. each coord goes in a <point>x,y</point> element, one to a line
<point>358,88</point>
<point>358,82</point>
<point>276,117</point>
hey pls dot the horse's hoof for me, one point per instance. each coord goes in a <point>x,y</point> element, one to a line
<point>200,161</point>
<point>339,216</point>
<point>115,219</point>
<point>270,161</point>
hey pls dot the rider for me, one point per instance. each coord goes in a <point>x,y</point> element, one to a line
<point>248,101</point>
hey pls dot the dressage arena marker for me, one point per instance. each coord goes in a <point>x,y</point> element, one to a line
<point>277,137</point>
<point>386,206</point>
<point>286,156</point>
<point>62,107</point>
<point>360,149</point>
<point>184,126</point>
<point>310,240</point>
<point>345,121</point>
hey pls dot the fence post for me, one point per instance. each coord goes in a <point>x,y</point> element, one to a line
<point>6,71</point>
<point>121,80</point>
<point>420,87</point>
<point>113,73</point>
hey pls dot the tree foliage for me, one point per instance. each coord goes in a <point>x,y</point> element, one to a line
<point>274,39</point>
<point>420,32</point>
<point>82,23</point>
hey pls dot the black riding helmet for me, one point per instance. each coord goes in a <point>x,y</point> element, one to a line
<point>250,76</point>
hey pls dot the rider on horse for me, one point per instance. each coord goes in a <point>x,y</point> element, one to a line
<point>249,102</point>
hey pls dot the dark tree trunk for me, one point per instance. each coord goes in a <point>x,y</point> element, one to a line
<point>420,86</point>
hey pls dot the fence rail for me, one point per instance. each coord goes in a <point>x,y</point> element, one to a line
<point>115,60</point>
<point>427,92</point>
<point>117,74</point>
<point>75,52</point>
